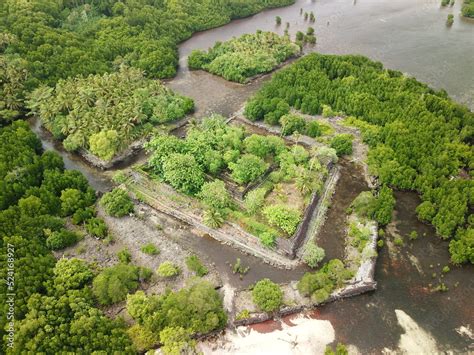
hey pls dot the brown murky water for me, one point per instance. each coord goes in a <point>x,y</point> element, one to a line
<point>410,36</point>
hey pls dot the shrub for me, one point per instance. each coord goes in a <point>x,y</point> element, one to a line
<point>258,145</point>
<point>267,295</point>
<point>215,195</point>
<point>197,59</point>
<point>268,239</point>
<point>124,256</point>
<point>114,283</point>
<point>413,235</point>
<point>326,155</point>
<point>313,254</point>
<point>60,240</point>
<point>96,227</point>
<point>313,129</point>
<point>183,173</point>
<point>292,123</point>
<point>194,264</point>
<point>72,200</point>
<point>150,249</point>
<point>117,203</point>
<point>254,200</point>
<point>213,218</point>
<point>342,143</point>
<point>177,340</point>
<point>82,215</point>
<point>143,338</point>
<point>398,241</point>
<point>327,111</point>
<point>285,218</point>
<point>244,314</point>
<point>320,284</point>
<point>197,307</point>
<point>247,169</point>
<point>119,177</point>
<point>167,269</point>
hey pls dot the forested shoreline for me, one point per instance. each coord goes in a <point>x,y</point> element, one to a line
<point>81,46</point>
<point>90,70</point>
<point>419,138</point>
<point>46,41</point>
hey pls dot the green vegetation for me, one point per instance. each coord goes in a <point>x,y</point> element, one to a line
<point>244,314</point>
<point>342,143</point>
<point>378,208</point>
<point>113,284</point>
<point>117,203</point>
<point>150,249</point>
<point>450,20</point>
<point>320,284</point>
<point>341,349</point>
<point>124,256</point>
<point>359,235</point>
<point>96,227</point>
<point>283,217</point>
<point>394,112</point>
<point>413,235</point>
<point>61,239</point>
<point>66,39</point>
<point>196,309</point>
<point>467,9</point>
<point>194,264</point>
<point>313,255</point>
<point>177,340</point>
<point>247,168</point>
<point>48,294</point>
<point>167,269</point>
<point>217,152</point>
<point>241,58</point>
<point>445,2</point>
<point>291,123</point>
<point>238,268</point>
<point>105,113</point>
<point>267,295</point>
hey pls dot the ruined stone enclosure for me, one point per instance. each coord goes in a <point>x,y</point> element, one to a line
<point>241,229</point>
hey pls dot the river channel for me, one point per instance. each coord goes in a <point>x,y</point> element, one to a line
<point>410,36</point>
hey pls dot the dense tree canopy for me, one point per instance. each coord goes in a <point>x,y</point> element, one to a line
<point>241,58</point>
<point>54,311</point>
<point>197,308</point>
<point>104,113</point>
<point>419,138</point>
<point>60,39</point>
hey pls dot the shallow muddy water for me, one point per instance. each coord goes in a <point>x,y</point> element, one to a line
<point>410,36</point>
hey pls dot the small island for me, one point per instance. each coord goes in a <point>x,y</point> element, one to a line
<point>242,58</point>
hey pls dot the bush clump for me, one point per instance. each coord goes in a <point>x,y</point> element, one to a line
<point>96,227</point>
<point>194,264</point>
<point>248,168</point>
<point>150,249</point>
<point>292,123</point>
<point>267,295</point>
<point>342,143</point>
<point>113,284</point>
<point>320,284</point>
<point>167,269</point>
<point>117,203</point>
<point>61,239</point>
<point>313,255</point>
<point>283,217</point>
